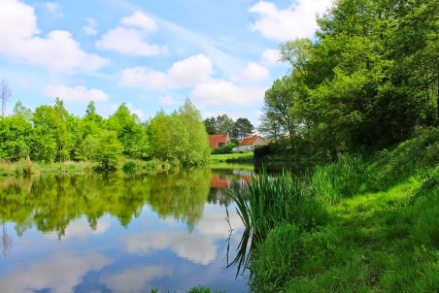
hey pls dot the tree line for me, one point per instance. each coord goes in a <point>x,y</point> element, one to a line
<point>52,134</point>
<point>237,129</point>
<point>367,81</point>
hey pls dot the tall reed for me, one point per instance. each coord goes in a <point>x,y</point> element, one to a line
<point>271,200</point>
<point>339,180</point>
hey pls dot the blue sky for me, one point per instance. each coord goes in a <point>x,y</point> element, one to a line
<point>150,55</point>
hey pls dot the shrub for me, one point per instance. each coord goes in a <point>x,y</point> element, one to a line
<point>129,166</point>
<point>228,149</point>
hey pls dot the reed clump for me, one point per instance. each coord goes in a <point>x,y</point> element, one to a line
<point>271,200</point>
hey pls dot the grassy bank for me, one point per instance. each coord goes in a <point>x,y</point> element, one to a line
<point>246,157</point>
<point>25,168</point>
<point>352,226</point>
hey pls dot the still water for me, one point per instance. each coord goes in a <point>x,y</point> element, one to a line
<point>119,233</point>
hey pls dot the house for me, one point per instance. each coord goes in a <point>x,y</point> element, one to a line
<point>249,144</point>
<point>219,140</point>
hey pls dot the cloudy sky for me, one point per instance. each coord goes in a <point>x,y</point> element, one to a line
<point>149,54</point>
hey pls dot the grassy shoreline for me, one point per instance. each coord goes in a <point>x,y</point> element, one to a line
<point>35,168</point>
<point>227,161</point>
<point>379,232</point>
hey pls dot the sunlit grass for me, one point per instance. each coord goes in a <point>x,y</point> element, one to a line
<point>381,235</point>
<point>235,157</point>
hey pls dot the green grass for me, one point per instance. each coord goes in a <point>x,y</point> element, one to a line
<point>381,233</point>
<point>231,158</point>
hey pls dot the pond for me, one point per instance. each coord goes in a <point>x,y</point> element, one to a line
<point>119,232</point>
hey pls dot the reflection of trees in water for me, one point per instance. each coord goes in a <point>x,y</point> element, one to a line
<point>181,195</point>
<point>6,240</point>
<point>50,202</point>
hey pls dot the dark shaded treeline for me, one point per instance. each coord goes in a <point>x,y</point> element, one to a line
<point>367,81</point>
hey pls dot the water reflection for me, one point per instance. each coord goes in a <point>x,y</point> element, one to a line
<point>118,233</point>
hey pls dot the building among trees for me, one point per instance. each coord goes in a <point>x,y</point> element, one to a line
<point>219,140</point>
<point>249,144</point>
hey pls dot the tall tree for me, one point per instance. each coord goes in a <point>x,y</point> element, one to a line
<point>129,132</point>
<point>210,125</point>
<point>179,136</point>
<point>224,124</point>
<point>279,101</point>
<point>242,128</point>
<point>269,127</point>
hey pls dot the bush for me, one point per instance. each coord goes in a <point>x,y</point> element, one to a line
<point>228,149</point>
<point>129,166</point>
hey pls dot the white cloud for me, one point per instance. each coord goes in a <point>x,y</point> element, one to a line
<point>199,249</point>
<point>90,27</point>
<point>130,37</point>
<point>252,73</point>
<point>140,20</point>
<point>58,51</point>
<point>225,93</point>
<point>168,100</point>
<point>51,273</point>
<point>53,8</point>
<point>75,94</point>
<point>297,21</point>
<point>134,280</point>
<point>182,74</point>
<point>270,57</point>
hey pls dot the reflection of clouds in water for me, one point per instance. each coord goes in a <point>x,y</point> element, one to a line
<point>134,280</point>
<point>81,228</point>
<point>214,222</point>
<point>60,273</point>
<point>197,248</point>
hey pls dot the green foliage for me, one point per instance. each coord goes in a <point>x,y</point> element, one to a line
<point>242,128</point>
<point>342,179</point>
<point>271,200</point>
<point>362,85</point>
<point>228,149</point>
<point>14,138</point>
<point>108,153</point>
<point>129,166</point>
<point>180,136</point>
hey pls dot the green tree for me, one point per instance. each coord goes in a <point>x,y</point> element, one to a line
<point>109,151</point>
<point>210,125</point>
<point>279,101</point>
<point>224,124</point>
<point>180,136</point>
<point>14,138</point>
<point>242,128</point>
<point>130,132</point>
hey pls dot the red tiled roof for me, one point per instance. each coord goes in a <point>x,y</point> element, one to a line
<point>249,140</point>
<point>215,139</point>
